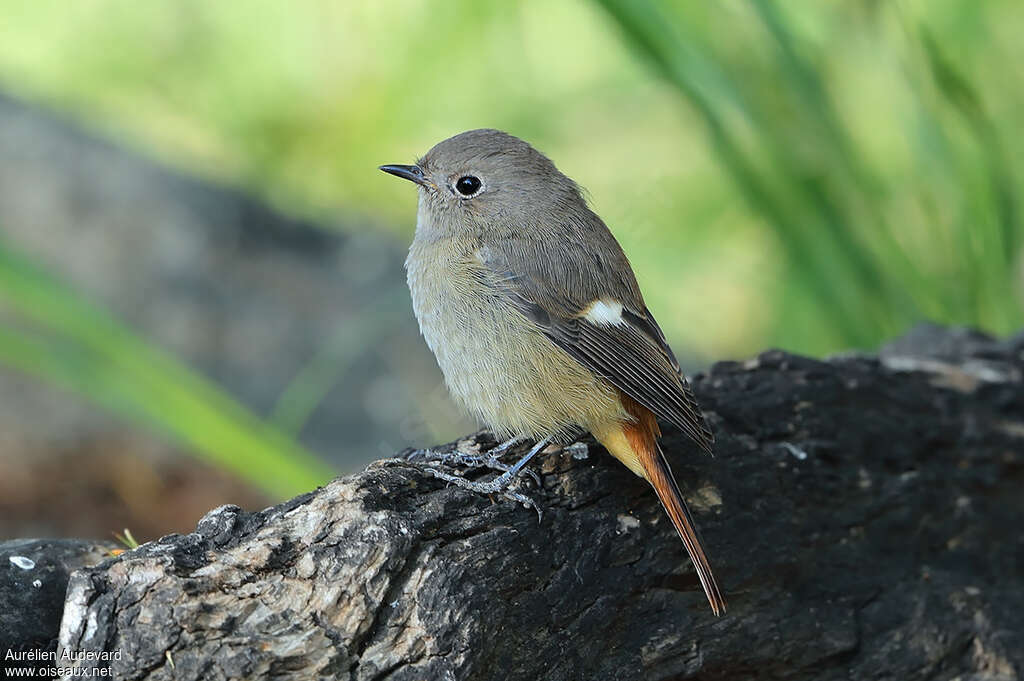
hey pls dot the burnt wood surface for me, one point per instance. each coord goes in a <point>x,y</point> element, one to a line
<point>863,515</point>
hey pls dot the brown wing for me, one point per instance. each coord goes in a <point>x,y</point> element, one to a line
<point>631,354</point>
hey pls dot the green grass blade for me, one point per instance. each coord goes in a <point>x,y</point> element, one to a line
<point>74,343</point>
<point>773,127</point>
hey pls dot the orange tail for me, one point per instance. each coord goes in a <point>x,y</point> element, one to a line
<point>636,445</point>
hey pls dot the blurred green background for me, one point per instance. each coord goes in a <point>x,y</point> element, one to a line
<point>814,176</point>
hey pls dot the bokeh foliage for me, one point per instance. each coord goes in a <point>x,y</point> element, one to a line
<point>65,339</point>
<point>864,252</point>
<point>810,175</point>
<point>831,173</point>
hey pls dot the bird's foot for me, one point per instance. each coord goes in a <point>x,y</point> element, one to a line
<point>489,487</point>
<point>458,458</point>
<point>427,461</point>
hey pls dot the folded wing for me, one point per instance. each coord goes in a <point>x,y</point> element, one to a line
<point>601,321</point>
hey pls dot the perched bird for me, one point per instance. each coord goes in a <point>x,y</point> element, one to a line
<point>535,317</point>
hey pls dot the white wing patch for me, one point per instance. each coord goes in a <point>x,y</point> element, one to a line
<point>605,312</point>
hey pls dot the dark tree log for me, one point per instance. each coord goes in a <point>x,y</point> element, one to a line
<point>864,517</point>
<point>33,582</point>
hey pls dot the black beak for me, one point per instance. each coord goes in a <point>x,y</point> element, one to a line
<point>411,173</point>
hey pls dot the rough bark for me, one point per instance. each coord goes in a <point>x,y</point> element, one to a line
<point>863,516</point>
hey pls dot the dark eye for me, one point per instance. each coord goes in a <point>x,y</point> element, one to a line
<point>467,185</point>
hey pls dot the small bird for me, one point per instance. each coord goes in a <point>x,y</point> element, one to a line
<point>535,317</point>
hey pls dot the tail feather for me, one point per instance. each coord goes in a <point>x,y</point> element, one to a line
<point>636,445</point>
<point>660,476</point>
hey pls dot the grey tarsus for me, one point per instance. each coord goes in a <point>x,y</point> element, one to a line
<point>508,444</point>
<point>484,488</point>
<point>456,458</point>
<point>500,484</point>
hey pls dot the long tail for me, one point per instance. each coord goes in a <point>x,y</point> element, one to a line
<point>636,445</point>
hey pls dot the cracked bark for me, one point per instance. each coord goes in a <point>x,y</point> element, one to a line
<point>863,515</point>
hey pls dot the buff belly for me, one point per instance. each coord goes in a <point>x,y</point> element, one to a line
<point>497,362</point>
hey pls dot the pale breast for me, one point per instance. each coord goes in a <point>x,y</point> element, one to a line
<point>495,361</point>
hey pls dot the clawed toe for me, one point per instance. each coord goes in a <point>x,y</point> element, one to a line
<point>499,485</point>
<point>457,458</point>
<point>432,463</point>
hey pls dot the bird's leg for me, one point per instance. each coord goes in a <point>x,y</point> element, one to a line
<point>500,484</point>
<point>492,458</point>
<point>508,444</point>
<point>456,458</point>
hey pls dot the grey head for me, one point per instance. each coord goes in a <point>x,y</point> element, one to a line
<point>486,181</point>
